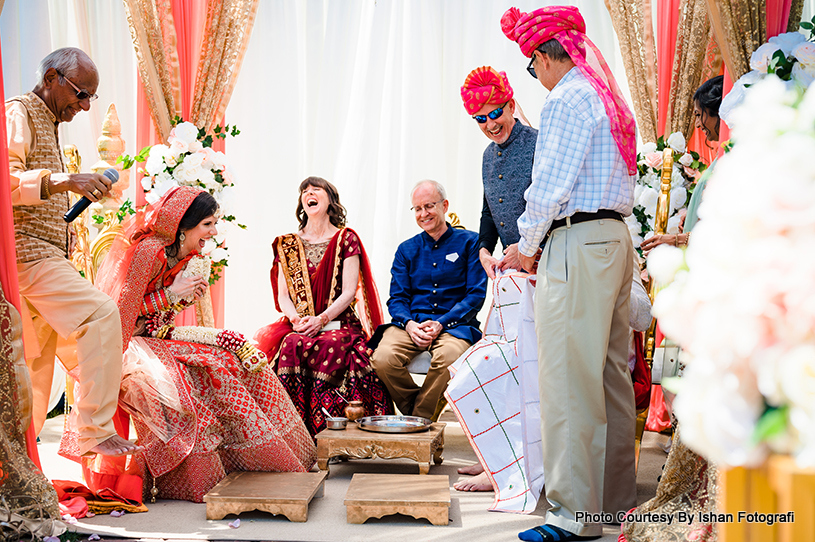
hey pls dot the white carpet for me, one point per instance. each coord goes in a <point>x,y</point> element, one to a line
<point>469,518</point>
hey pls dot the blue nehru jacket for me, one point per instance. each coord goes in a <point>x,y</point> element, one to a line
<point>506,172</point>
<point>439,280</point>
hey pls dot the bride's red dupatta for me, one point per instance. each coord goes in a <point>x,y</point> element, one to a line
<point>312,294</point>
<point>128,272</point>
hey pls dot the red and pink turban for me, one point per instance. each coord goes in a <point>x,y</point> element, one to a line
<point>566,25</point>
<point>484,86</point>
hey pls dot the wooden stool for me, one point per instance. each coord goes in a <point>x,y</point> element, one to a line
<point>286,493</point>
<point>377,495</point>
<point>354,442</point>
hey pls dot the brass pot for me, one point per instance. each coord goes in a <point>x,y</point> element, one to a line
<point>354,410</point>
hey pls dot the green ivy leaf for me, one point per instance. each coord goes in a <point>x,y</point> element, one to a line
<point>771,424</point>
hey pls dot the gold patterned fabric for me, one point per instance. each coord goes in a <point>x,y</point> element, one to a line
<point>635,32</point>
<point>226,36</point>
<point>692,43</point>
<point>688,484</point>
<point>796,9</point>
<point>27,500</point>
<point>740,27</point>
<point>40,231</point>
<point>154,40</point>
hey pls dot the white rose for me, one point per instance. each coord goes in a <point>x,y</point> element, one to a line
<point>677,179</point>
<point>804,74</point>
<point>686,159</point>
<point>673,224</point>
<point>219,254</point>
<point>648,200</point>
<point>179,147</point>
<point>787,41</point>
<point>209,246</point>
<point>186,132</point>
<point>805,53</point>
<point>227,200</point>
<point>679,197</point>
<point>194,160</point>
<point>155,160</point>
<point>649,148</point>
<point>676,141</point>
<point>147,183</point>
<point>218,160</point>
<point>196,146</point>
<point>664,262</point>
<point>650,179</point>
<point>760,59</point>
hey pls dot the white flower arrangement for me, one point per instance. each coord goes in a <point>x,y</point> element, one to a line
<point>188,160</point>
<point>741,298</point>
<point>686,168</point>
<point>789,56</point>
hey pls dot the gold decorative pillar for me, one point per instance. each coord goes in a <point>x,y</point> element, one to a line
<point>111,146</point>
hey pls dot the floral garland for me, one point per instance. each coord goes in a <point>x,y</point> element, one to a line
<point>686,169</point>
<point>740,298</point>
<point>251,358</point>
<point>188,160</point>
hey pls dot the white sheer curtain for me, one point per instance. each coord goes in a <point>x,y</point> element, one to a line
<point>365,94</point>
<point>362,92</point>
<point>30,29</point>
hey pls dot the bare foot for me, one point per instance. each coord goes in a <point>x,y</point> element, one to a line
<point>115,446</point>
<point>476,483</point>
<point>472,469</point>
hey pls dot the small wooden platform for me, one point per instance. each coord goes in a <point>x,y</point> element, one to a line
<point>353,442</point>
<point>377,495</point>
<point>286,493</point>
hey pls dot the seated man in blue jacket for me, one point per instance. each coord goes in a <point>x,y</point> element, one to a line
<point>437,288</point>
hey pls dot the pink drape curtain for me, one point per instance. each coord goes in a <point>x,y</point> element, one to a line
<point>667,24</point>
<point>8,258</point>
<point>189,17</point>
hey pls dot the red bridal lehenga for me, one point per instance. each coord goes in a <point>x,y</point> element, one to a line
<point>334,366</point>
<point>198,412</point>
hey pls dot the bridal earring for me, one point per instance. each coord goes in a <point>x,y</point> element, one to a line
<point>182,237</point>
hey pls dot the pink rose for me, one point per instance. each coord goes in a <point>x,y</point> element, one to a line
<point>654,160</point>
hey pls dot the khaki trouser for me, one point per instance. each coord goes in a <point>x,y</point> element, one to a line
<point>587,401</point>
<point>394,353</point>
<point>73,319</point>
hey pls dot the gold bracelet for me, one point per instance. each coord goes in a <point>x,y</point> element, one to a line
<point>687,239</point>
<point>323,319</point>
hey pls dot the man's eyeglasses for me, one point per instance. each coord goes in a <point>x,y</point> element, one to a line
<point>531,68</point>
<point>427,207</point>
<point>81,94</point>
<point>494,114</point>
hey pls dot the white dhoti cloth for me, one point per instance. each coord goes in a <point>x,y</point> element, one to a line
<point>494,393</point>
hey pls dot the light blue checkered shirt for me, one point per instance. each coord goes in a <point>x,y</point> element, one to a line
<point>578,167</point>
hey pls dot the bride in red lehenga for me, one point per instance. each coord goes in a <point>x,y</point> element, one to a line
<point>203,401</point>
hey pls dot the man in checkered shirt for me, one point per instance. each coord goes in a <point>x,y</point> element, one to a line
<point>582,186</point>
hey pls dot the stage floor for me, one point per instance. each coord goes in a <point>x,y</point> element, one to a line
<point>469,518</point>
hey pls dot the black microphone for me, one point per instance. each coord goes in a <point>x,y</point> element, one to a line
<point>83,203</point>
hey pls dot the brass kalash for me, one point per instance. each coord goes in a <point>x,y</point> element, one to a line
<point>660,227</point>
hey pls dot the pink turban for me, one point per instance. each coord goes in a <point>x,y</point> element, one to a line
<point>566,25</point>
<point>484,86</point>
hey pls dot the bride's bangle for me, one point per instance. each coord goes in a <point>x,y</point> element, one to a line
<point>323,319</point>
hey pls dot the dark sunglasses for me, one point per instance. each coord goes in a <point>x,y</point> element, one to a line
<point>531,68</point>
<point>81,94</point>
<point>494,114</point>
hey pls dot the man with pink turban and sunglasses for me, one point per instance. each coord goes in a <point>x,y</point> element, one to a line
<point>507,164</point>
<point>582,187</point>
